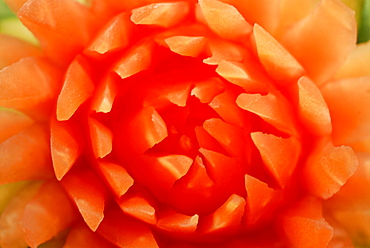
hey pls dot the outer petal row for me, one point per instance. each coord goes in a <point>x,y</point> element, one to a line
<point>13,49</point>
<point>322,59</point>
<point>28,84</point>
<point>60,35</point>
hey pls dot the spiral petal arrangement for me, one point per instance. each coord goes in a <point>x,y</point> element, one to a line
<point>210,123</point>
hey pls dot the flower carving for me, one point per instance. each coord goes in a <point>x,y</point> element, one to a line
<point>182,123</point>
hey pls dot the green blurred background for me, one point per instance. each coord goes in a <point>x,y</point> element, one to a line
<point>9,24</point>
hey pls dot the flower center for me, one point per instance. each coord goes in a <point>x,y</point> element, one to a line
<point>160,133</point>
